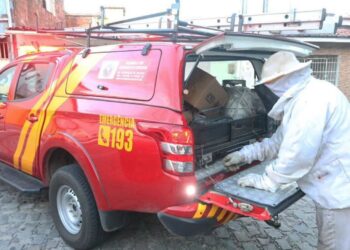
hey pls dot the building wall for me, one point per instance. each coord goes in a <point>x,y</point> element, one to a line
<point>24,13</point>
<point>343,53</point>
<point>3,62</point>
<point>81,20</point>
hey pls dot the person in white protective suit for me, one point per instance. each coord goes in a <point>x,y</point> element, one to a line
<point>311,146</point>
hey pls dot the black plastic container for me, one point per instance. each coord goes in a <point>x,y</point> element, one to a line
<point>211,131</point>
<point>218,137</point>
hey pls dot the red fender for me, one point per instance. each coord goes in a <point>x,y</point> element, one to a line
<point>73,146</point>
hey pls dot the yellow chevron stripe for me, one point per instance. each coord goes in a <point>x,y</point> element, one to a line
<point>200,211</point>
<point>27,124</point>
<point>212,211</point>
<point>30,149</point>
<point>221,215</point>
<point>229,218</point>
<point>24,128</point>
<point>20,143</point>
<point>74,79</point>
<point>33,137</point>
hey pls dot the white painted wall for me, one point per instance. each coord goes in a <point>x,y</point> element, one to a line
<point>3,62</point>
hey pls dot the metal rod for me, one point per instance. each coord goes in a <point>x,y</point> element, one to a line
<point>88,37</point>
<point>92,37</point>
<point>200,27</point>
<point>102,17</point>
<point>185,36</point>
<point>175,10</point>
<point>191,31</point>
<point>138,18</point>
<point>111,31</point>
<point>192,70</point>
<point>240,23</point>
<point>162,37</point>
<point>233,22</point>
<point>165,35</point>
<point>265,6</point>
<point>167,38</point>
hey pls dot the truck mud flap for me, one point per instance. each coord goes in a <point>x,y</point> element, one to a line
<point>247,201</point>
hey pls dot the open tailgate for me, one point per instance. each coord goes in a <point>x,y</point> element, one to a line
<point>259,204</point>
<point>253,45</point>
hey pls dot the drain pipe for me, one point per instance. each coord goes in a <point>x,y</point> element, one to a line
<point>9,14</point>
<point>37,22</point>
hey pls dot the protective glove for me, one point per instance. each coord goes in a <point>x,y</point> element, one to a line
<point>233,159</point>
<point>263,182</point>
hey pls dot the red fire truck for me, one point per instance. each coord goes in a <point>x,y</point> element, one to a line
<point>139,126</point>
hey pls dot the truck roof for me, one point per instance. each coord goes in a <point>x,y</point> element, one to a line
<point>47,54</point>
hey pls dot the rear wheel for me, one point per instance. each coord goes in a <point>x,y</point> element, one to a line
<point>74,209</point>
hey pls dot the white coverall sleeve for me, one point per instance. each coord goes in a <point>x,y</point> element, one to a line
<point>267,149</point>
<point>301,141</point>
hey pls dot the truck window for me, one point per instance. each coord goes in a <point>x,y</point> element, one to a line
<point>223,71</point>
<point>33,79</point>
<point>122,74</point>
<point>6,78</point>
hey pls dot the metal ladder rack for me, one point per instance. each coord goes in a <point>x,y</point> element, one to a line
<point>175,31</point>
<point>267,22</point>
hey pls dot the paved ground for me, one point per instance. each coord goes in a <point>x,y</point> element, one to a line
<point>25,223</point>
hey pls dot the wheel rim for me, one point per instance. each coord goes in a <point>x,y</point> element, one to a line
<point>69,209</point>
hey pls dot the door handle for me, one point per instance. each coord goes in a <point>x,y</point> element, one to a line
<point>32,118</point>
<point>3,105</point>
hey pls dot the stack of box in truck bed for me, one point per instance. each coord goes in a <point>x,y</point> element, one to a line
<point>204,91</point>
<point>216,131</point>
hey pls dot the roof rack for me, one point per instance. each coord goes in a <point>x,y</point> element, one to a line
<point>175,30</point>
<point>343,22</point>
<point>267,22</point>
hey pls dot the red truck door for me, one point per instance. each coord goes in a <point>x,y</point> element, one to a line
<point>7,76</point>
<point>25,114</point>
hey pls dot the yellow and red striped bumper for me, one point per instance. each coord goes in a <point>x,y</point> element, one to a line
<point>222,216</point>
<point>195,218</point>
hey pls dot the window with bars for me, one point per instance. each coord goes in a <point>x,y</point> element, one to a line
<point>4,50</point>
<point>324,67</point>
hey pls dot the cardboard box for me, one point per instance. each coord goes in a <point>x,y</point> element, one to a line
<point>204,91</point>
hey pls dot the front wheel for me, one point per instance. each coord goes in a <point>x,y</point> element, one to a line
<point>74,209</point>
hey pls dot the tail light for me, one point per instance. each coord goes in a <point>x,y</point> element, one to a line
<point>176,146</point>
<point>176,149</point>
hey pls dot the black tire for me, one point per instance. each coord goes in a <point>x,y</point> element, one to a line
<point>90,232</point>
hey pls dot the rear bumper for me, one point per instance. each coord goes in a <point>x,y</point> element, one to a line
<point>186,227</point>
<point>194,218</point>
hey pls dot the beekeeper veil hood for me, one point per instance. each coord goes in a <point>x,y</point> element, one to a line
<point>282,71</point>
<point>280,86</point>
